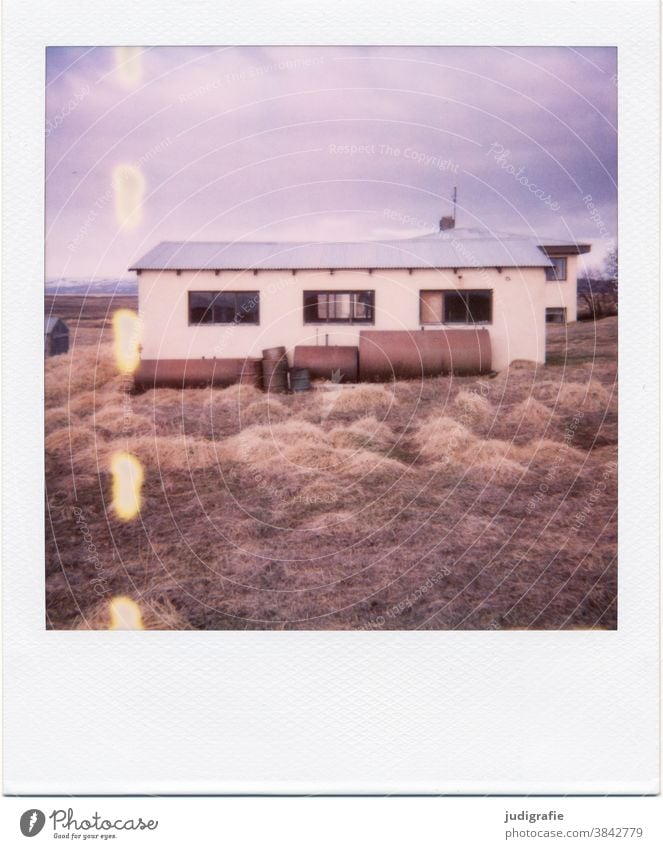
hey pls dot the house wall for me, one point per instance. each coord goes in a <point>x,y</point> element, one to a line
<point>565,293</point>
<point>517,330</point>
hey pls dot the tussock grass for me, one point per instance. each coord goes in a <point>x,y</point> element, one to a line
<point>473,407</point>
<point>529,412</point>
<point>589,397</point>
<point>117,419</point>
<point>362,398</point>
<point>235,396</point>
<point>266,410</point>
<point>82,369</point>
<point>548,452</point>
<point>84,403</point>
<point>173,453</point>
<point>56,418</point>
<point>441,437</point>
<point>375,468</point>
<point>74,439</point>
<point>365,433</point>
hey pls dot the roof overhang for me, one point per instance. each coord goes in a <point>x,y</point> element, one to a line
<point>565,250</point>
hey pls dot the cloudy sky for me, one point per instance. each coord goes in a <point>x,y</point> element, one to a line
<point>322,143</point>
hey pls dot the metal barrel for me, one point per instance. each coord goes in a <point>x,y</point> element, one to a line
<point>277,353</point>
<point>249,372</point>
<point>275,375</point>
<point>300,379</point>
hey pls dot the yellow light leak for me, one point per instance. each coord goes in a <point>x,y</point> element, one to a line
<point>126,340</point>
<point>128,189</point>
<point>125,615</point>
<point>128,476</point>
<point>129,65</point>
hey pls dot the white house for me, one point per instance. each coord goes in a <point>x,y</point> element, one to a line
<point>458,299</point>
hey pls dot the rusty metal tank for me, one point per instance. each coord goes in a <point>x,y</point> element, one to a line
<point>249,373</point>
<point>327,361</point>
<point>395,354</point>
<point>179,374</point>
<point>275,375</point>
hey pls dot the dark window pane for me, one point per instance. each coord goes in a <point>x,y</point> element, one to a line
<point>556,315</point>
<point>364,306</point>
<point>200,304</point>
<point>248,307</point>
<point>468,307</point>
<point>455,308</point>
<point>479,306</point>
<point>224,308</point>
<point>558,271</point>
<point>311,306</point>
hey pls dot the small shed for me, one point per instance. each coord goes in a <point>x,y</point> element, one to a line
<point>56,336</point>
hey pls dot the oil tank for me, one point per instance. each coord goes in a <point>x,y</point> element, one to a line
<point>396,354</point>
<point>178,374</point>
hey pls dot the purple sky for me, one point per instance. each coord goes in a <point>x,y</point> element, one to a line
<point>323,143</point>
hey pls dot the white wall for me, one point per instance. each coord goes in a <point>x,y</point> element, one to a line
<point>564,293</point>
<point>517,330</point>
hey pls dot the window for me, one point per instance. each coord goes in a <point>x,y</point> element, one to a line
<point>558,271</point>
<point>556,315</point>
<point>224,308</point>
<point>455,307</point>
<point>339,307</point>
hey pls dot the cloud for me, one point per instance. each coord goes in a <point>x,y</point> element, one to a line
<point>316,142</point>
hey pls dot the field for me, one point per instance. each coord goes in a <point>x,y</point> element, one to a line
<point>450,503</point>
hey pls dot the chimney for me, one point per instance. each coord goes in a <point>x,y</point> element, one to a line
<point>447,222</point>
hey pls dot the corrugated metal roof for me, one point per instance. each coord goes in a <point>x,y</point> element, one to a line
<point>461,248</point>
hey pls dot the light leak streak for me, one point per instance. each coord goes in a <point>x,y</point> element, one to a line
<point>127,472</point>
<point>125,615</point>
<point>128,189</point>
<point>129,65</point>
<point>126,340</point>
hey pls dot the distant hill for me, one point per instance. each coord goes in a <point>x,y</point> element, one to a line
<point>91,286</point>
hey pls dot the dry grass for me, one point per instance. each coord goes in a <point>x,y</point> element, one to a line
<point>444,503</point>
<point>590,397</point>
<point>473,407</point>
<point>529,412</point>
<point>361,399</point>
<point>266,410</point>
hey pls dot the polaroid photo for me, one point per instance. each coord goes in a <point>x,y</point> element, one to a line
<point>320,479</point>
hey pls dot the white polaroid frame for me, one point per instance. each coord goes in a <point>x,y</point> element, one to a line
<point>330,712</point>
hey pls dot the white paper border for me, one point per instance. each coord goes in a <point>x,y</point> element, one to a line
<point>293,712</point>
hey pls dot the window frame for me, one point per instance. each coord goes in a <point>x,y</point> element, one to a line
<point>551,272</point>
<point>557,311</point>
<point>444,293</point>
<point>351,319</point>
<point>253,294</point>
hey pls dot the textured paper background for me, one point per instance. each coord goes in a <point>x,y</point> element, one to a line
<point>481,712</point>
